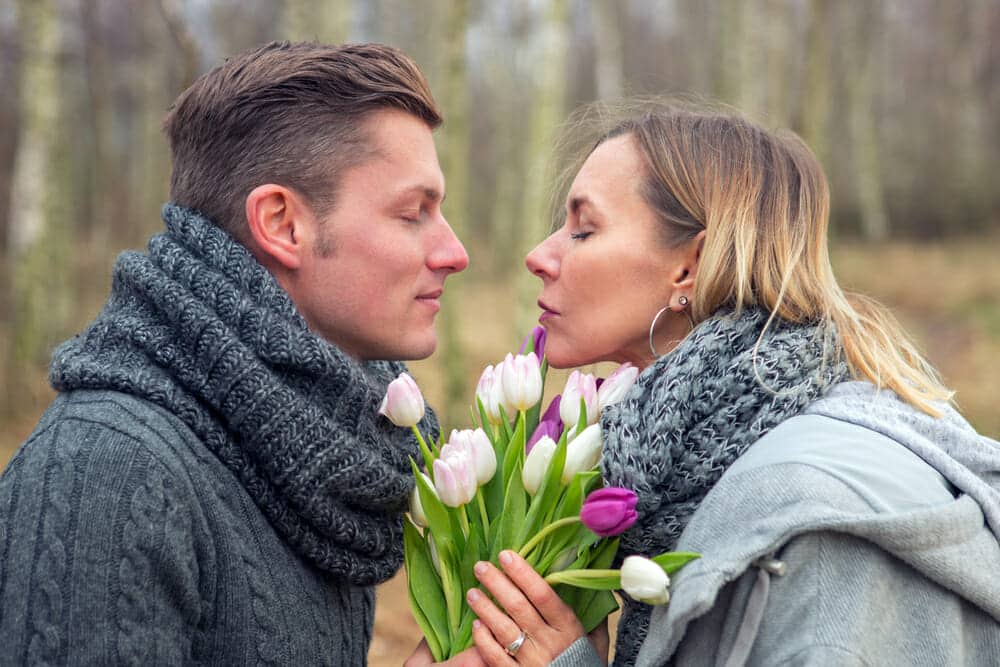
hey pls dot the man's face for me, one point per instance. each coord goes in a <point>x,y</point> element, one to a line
<point>376,289</point>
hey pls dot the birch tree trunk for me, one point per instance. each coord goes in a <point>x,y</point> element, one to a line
<point>866,154</point>
<point>816,89</point>
<point>40,235</point>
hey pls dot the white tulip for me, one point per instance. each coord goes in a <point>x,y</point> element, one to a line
<point>417,507</point>
<point>582,453</point>
<point>645,581</point>
<point>536,464</point>
<point>521,377</point>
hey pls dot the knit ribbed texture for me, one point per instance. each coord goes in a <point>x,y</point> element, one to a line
<point>198,327</point>
<point>158,557</point>
<point>691,414</point>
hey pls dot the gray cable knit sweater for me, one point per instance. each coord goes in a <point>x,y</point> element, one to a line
<point>213,484</point>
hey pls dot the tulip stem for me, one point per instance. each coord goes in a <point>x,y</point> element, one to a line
<point>425,451</point>
<point>482,511</point>
<point>464,519</point>
<point>542,534</point>
<point>567,576</point>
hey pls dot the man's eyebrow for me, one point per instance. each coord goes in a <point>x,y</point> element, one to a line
<point>429,193</point>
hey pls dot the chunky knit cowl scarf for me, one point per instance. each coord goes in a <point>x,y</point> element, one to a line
<point>197,326</point>
<point>691,414</point>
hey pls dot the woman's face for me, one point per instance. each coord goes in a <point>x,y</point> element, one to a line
<point>606,272</point>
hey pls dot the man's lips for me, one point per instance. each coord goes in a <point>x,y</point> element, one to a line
<point>431,299</point>
<point>433,294</point>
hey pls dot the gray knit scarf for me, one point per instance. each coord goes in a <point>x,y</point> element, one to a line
<point>691,414</point>
<point>197,326</point>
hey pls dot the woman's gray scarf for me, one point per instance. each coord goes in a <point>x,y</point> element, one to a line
<point>693,412</point>
<point>200,328</point>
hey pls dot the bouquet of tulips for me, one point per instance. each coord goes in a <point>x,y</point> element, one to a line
<point>521,482</point>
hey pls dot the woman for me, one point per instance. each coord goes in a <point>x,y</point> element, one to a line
<point>787,431</point>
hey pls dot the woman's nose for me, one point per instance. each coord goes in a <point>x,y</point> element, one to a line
<point>543,260</point>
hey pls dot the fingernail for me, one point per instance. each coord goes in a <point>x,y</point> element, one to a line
<point>506,557</point>
<point>480,568</point>
<point>476,623</point>
<point>472,595</point>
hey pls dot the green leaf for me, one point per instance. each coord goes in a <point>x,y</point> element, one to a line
<point>515,451</point>
<point>558,543</point>
<point>671,561</point>
<point>515,508</point>
<point>581,423</point>
<point>576,493</point>
<point>426,596</point>
<point>463,637</point>
<point>505,423</point>
<point>594,607</point>
<point>442,522</point>
<point>546,498</point>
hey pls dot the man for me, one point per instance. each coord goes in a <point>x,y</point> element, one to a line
<point>213,483</point>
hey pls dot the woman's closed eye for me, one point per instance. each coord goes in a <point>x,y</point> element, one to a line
<point>579,236</point>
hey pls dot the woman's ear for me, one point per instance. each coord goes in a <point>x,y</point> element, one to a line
<point>274,217</point>
<point>689,255</point>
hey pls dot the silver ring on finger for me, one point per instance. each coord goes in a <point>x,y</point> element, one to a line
<point>516,645</point>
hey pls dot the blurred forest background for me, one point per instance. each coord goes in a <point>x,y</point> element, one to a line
<point>900,99</point>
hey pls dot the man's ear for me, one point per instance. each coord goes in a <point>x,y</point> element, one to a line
<point>687,269</point>
<point>275,216</point>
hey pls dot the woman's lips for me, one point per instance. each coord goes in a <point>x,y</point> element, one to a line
<point>546,311</point>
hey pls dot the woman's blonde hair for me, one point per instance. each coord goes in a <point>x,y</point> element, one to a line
<point>763,200</point>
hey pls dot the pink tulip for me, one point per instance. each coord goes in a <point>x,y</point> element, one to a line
<point>521,378</point>
<point>454,477</point>
<point>490,392</point>
<point>477,445</point>
<point>609,511</point>
<point>617,385</point>
<point>403,403</point>
<point>579,385</point>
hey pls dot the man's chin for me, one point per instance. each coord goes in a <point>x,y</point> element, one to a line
<point>413,349</point>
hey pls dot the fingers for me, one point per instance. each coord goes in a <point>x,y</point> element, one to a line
<point>541,596</point>
<point>421,656</point>
<point>492,652</point>
<point>499,626</point>
<point>510,597</point>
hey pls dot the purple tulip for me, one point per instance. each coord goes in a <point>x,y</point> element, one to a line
<point>537,336</point>
<point>609,511</point>
<point>550,424</point>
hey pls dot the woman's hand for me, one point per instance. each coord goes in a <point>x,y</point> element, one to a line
<point>422,657</point>
<point>549,625</point>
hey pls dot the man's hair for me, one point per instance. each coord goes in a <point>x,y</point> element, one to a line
<point>286,113</point>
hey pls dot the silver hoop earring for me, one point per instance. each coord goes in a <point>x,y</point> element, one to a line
<point>652,326</point>
<point>684,302</point>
